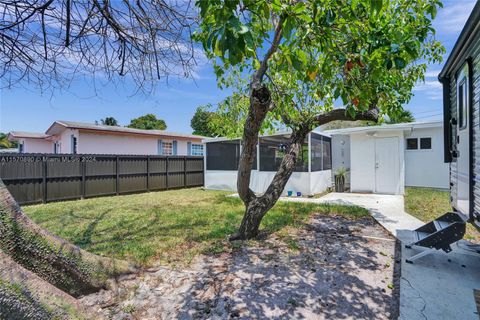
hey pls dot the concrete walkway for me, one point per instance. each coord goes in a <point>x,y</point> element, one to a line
<point>437,286</point>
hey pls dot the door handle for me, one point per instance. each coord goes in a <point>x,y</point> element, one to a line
<point>376,165</point>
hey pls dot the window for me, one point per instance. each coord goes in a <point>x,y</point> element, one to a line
<point>167,148</point>
<point>412,144</point>
<point>74,144</point>
<point>21,148</point>
<point>197,149</point>
<point>425,143</point>
<point>462,103</point>
<point>272,151</point>
<point>321,152</point>
<point>56,147</point>
<point>223,155</point>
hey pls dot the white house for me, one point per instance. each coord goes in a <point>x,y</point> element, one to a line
<point>387,158</point>
<point>312,174</point>
<point>86,138</point>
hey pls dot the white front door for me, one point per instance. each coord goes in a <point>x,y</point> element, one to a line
<point>387,167</point>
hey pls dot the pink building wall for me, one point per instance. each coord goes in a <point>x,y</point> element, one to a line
<point>32,145</point>
<point>90,142</point>
<point>126,144</point>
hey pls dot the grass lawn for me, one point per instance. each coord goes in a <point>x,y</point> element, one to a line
<point>170,226</point>
<point>427,204</point>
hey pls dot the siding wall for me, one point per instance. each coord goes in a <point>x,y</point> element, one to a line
<point>474,52</point>
<point>476,125</point>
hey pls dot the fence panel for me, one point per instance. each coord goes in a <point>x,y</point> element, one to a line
<point>35,178</point>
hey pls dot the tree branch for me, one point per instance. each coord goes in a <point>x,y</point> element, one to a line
<point>258,76</point>
<point>341,114</point>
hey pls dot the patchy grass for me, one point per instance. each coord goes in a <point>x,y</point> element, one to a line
<point>170,226</point>
<point>427,204</point>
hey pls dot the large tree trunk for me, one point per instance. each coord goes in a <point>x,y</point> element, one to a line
<point>257,206</point>
<point>55,260</point>
<point>24,295</point>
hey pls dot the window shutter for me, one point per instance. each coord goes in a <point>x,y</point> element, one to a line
<point>174,147</point>
<point>159,147</point>
<point>189,148</point>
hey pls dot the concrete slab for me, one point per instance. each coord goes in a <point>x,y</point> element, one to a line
<point>437,286</point>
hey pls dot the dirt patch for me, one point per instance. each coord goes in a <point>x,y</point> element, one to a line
<point>332,268</point>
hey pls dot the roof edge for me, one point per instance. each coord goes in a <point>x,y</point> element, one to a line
<point>464,38</point>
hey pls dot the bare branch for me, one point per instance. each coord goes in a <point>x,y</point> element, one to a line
<point>49,43</point>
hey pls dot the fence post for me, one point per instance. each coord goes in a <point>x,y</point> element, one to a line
<point>44,178</point>
<point>83,168</point>
<point>166,172</point>
<point>117,180</point>
<point>185,172</point>
<point>148,173</point>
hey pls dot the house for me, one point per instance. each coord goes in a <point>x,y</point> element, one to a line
<point>311,176</point>
<point>460,78</point>
<point>68,137</point>
<point>387,158</point>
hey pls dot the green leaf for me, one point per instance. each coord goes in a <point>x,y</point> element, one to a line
<point>330,17</point>
<point>394,47</point>
<point>243,29</point>
<point>399,62</point>
<point>376,6</point>
<point>389,64</point>
<point>299,7</point>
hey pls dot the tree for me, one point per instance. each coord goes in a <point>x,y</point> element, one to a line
<point>299,57</point>
<point>49,43</point>
<point>148,122</point>
<point>109,121</point>
<point>402,116</point>
<point>201,122</point>
<point>5,143</point>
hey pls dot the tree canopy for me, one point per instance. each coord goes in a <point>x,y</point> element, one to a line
<point>5,143</point>
<point>148,122</point>
<point>109,121</point>
<point>202,122</point>
<point>316,54</point>
<point>402,116</point>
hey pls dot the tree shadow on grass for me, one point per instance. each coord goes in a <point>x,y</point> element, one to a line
<point>337,274</point>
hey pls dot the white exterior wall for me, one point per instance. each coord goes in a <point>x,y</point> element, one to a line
<point>425,168</point>
<point>362,161</point>
<point>31,145</point>
<point>304,182</point>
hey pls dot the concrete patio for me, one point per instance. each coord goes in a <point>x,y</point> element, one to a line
<point>437,286</point>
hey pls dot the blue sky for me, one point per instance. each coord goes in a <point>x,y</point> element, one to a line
<point>27,109</point>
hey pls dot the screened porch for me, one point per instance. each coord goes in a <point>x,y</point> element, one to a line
<point>312,173</point>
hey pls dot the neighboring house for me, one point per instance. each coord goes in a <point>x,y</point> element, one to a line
<point>312,174</point>
<point>67,137</point>
<point>32,141</point>
<point>386,158</point>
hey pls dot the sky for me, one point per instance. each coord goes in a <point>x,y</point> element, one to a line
<point>27,109</point>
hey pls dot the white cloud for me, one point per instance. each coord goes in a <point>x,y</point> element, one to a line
<point>452,18</point>
<point>432,74</point>
<point>430,89</point>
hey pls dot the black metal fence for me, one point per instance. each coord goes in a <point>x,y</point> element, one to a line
<point>35,178</point>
